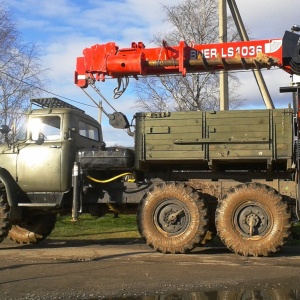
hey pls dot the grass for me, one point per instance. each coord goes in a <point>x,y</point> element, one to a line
<point>108,227</point>
<point>295,236</point>
<point>93,228</point>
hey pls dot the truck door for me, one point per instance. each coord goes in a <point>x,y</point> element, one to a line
<point>39,158</point>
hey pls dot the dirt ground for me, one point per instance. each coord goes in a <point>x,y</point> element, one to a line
<point>129,268</point>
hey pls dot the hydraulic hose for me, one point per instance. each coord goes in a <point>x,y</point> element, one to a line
<point>111,179</point>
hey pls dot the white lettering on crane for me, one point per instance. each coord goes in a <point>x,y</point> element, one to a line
<point>224,52</point>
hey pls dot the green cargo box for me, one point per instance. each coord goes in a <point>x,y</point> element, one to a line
<point>237,139</point>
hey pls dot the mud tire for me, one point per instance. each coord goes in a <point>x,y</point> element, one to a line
<point>260,207</point>
<point>274,294</point>
<point>33,230</point>
<point>172,218</point>
<point>211,203</point>
<point>4,217</point>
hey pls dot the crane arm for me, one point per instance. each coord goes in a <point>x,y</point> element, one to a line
<point>104,60</point>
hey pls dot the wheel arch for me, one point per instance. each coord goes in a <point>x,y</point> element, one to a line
<point>14,193</point>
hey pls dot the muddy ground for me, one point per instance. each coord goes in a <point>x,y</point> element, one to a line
<point>129,268</point>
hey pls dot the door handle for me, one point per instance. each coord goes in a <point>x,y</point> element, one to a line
<point>53,146</point>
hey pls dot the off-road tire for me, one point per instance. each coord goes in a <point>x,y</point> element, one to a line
<point>172,218</point>
<point>274,294</point>
<point>253,220</point>
<point>4,217</point>
<point>211,203</point>
<point>33,230</point>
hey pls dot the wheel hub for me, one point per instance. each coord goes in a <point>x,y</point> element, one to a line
<point>172,217</point>
<point>251,219</point>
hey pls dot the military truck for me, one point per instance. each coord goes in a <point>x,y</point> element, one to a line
<point>190,175</point>
<point>182,165</point>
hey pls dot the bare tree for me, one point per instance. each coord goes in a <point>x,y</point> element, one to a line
<point>193,21</point>
<point>20,71</point>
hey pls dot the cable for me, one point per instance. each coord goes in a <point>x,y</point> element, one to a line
<point>46,91</point>
<point>118,92</point>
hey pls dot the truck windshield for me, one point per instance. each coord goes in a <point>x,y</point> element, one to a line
<point>49,126</point>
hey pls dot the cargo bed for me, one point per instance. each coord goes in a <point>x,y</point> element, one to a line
<point>261,139</point>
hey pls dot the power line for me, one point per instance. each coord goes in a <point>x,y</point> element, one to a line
<point>93,106</point>
<point>46,91</point>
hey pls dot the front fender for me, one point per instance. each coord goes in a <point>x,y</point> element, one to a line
<point>14,193</point>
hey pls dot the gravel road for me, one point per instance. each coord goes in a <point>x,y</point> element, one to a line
<point>129,268</point>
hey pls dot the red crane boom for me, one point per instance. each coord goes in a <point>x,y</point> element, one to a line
<point>104,60</point>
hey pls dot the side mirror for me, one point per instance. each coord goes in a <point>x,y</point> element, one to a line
<point>4,129</point>
<point>40,140</point>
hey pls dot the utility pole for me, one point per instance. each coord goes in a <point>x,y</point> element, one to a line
<point>100,112</point>
<point>224,93</point>
<point>244,37</point>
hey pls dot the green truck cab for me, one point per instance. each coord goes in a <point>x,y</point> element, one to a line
<point>36,167</point>
<point>42,158</point>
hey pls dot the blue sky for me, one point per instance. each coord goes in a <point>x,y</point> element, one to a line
<point>63,28</point>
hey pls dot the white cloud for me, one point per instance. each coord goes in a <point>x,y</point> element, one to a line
<point>118,137</point>
<point>268,18</point>
<point>63,28</point>
<point>48,9</point>
<point>274,79</point>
